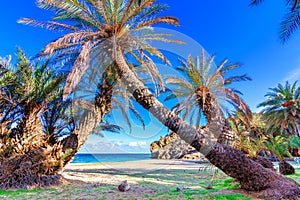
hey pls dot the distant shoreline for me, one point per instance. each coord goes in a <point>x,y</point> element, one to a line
<point>138,166</point>
<point>109,157</point>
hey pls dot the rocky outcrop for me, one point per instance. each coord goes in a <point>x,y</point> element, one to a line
<point>172,147</point>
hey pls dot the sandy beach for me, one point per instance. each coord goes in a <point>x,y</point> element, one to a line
<point>149,179</point>
<point>109,172</point>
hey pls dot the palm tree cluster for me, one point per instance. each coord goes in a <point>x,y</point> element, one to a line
<point>32,120</point>
<point>110,35</point>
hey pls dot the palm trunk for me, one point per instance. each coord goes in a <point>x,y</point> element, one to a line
<point>206,105</point>
<point>234,163</point>
<point>89,121</point>
<point>297,122</point>
<point>285,168</point>
<point>296,115</point>
<point>27,159</point>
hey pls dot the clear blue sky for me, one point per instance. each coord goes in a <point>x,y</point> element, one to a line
<point>228,28</point>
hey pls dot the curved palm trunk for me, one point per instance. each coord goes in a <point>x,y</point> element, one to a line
<point>207,106</point>
<point>234,163</point>
<point>89,121</point>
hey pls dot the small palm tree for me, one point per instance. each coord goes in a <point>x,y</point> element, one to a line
<point>27,89</point>
<point>254,123</point>
<point>249,145</point>
<point>250,131</point>
<point>282,108</point>
<point>291,20</point>
<point>279,146</point>
<point>205,86</point>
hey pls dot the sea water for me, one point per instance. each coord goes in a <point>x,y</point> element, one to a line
<point>96,158</point>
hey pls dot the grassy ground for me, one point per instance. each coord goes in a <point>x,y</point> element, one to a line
<point>160,184</point>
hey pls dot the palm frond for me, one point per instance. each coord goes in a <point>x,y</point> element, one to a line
<point>256,2</point>
<point>289,25</point>
<point>168,20</point>
<point>53,26</point>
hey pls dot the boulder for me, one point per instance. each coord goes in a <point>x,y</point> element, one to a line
<point>172,147</point>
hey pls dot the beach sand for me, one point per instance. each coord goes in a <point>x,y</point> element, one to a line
<point>149,179</point>
<point>108,172</point>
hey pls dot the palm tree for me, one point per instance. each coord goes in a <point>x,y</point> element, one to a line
<point>110,27</point>
<point>34,118</point>
<point>29,156</point>
<point>253,124</point>
<point>250,136</point>
<point>204,87</point>
<point>282,108</point>
<point>279,146</point>
<point>291,20</point>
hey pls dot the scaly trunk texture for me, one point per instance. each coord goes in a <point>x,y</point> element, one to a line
<point>296,115</point>
<point>234,163</point>
<point>264,162</point>
<point>297,121</point>
<point>89,122</point>
<point>103,104</point>
<point>205,101</point>
<point>27,160</point>
<point>285,168</point>
<point>75,140</point>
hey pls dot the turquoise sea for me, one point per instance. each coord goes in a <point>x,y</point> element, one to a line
<point>96,158</point>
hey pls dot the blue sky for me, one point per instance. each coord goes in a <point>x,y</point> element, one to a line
<point>230,29</point>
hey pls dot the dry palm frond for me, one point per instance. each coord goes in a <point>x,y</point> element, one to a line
<point>48,25</point>
<point>168,20</point>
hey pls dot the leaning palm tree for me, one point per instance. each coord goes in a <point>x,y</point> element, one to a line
<point>90,109</point>
<point>204,86</point>
<point>118,28</point>
<point>291,20</point>
<point>282,108</point>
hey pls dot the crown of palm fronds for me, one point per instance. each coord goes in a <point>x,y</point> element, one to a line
<point>249,145</point>
<point>203,80</point>
<point>282,105</point>
<point>27,87</point>
<point>279,146</point>
<point>254,124</point>
<point>98,27</point>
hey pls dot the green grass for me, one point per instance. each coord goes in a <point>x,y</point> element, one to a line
<point>227,197</point>
<point>21,191</point>
<point>158,185</point>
